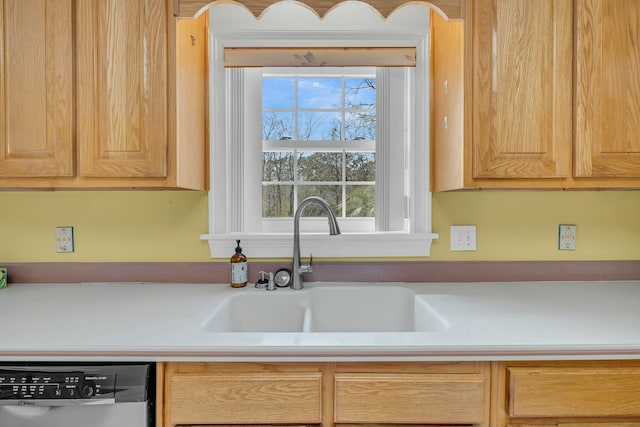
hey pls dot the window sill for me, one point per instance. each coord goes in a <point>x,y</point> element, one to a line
<point>351,245</point>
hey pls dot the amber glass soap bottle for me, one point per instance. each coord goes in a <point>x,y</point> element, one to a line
<point>239,268</point>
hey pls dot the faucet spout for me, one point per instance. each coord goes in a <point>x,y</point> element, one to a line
<point>334,229</point>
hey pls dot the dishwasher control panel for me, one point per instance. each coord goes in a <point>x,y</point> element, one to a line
<point>26,385</point>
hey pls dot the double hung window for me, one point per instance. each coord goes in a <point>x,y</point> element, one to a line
<point>356,136</point>
<point>318,139</point>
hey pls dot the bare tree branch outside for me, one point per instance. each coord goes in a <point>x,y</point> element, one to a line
<point>329,109</point>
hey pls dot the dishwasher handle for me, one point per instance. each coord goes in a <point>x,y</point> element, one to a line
<point>51,403</point>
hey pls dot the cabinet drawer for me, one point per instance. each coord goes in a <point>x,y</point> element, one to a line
<point>573,392</point>
<point>245,398</point>
<point>409,398</point>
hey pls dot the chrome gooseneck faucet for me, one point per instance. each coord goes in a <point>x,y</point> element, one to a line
<point>334,229</point>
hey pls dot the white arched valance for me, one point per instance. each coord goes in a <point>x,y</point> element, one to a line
<point>452,9</point>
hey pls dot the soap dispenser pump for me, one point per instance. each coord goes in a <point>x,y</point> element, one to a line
<point>239,268</point>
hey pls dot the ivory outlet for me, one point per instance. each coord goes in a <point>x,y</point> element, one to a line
<point>64,239</point>
<point>463,237</point>
<point>567,237</point>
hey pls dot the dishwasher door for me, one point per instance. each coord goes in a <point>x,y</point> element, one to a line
<point>87,395</point>
<point>129,414</point>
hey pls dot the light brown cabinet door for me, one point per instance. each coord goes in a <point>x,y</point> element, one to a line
<point>122,88</point>
<point>607,88</point>
<point>36,88</point>
<point>241,394</point>
<point>399,398</point>
<point>566,392</point>
<point>522,85</point>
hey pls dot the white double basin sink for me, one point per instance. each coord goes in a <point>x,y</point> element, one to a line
<point>329,309</point>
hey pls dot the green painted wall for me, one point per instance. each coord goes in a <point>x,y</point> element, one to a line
<point>166,225</point>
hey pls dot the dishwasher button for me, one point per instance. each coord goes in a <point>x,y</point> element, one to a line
<point>88,391</point>
<point>70,392</point>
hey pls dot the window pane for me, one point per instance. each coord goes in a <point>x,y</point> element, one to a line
<point>361,201</point>
<point>331,193</point>
<point>277,201</point>
<point>277,92</point>
<point>320,92</point>
<point>360,125</point>
<point>319,166</point>
<point>277,126</point>
<point>361,166</point>
<point>313,126</point>
<point>277,166</point>
<point>360,93</point>
<point>318,109</point>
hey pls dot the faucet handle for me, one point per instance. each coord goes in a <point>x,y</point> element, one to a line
<point>271,284</point>
<point>307,268</point>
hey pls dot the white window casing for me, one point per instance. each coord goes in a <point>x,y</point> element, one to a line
<point>403,221</point>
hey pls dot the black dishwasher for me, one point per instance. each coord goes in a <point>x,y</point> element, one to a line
<point>77,395</point>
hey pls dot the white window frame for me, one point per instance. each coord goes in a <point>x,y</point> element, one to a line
<point>228,130</point>
<point>390,198</point>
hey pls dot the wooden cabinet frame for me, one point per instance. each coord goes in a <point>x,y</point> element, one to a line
<point>497,394</point>
<point>400,393</point>
<point>468,151</point>
<point>566,393</point>
<point>108,136</point>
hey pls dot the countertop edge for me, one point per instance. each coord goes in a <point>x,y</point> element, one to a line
<point>320,356</point>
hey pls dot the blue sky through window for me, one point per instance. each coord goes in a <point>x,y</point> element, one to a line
<point>319,109</point>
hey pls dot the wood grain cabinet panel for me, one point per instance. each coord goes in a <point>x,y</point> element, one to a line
<point>324,393</point>
<point>396,398</point>
<point>566,392</point>
<point>36,88</point>
<point>122,88</point>
<point>244,398</point>
<point>551,95</point>
<point>522,83</point>
<point>607,88</point>
<point>102,94</point>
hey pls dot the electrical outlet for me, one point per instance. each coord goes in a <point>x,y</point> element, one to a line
<point>64,239</point>
<point>567,237</point>
<point>463,237</point>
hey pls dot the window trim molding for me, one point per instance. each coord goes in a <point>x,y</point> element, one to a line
<point>414,242</point>
<point>321,245</point>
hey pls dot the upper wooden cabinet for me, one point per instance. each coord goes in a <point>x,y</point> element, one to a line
<point>139,77</point>
<point>522,88</point>
<point>542,101</point>
<point>607,88</point>
<point>36,88</point>
<point>122,88</point>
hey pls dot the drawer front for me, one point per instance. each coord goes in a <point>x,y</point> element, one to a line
<point>409,398</point>
<point>245,398</point>
<point>573,392</point>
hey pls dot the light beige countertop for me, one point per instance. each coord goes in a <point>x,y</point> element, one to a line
<point>483,321</point>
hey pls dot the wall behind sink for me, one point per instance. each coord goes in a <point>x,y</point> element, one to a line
<point>164,226</point>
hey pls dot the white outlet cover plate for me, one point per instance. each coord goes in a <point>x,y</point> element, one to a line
<point>64,240</point>
<point>567,234</point>
<point>463,237</point>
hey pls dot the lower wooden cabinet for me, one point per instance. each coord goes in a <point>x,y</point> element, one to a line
<point>567,394</point>
<point>327,394</point>
<point>242,394</point>
<point>496,394</point>
<point>410,398</point>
